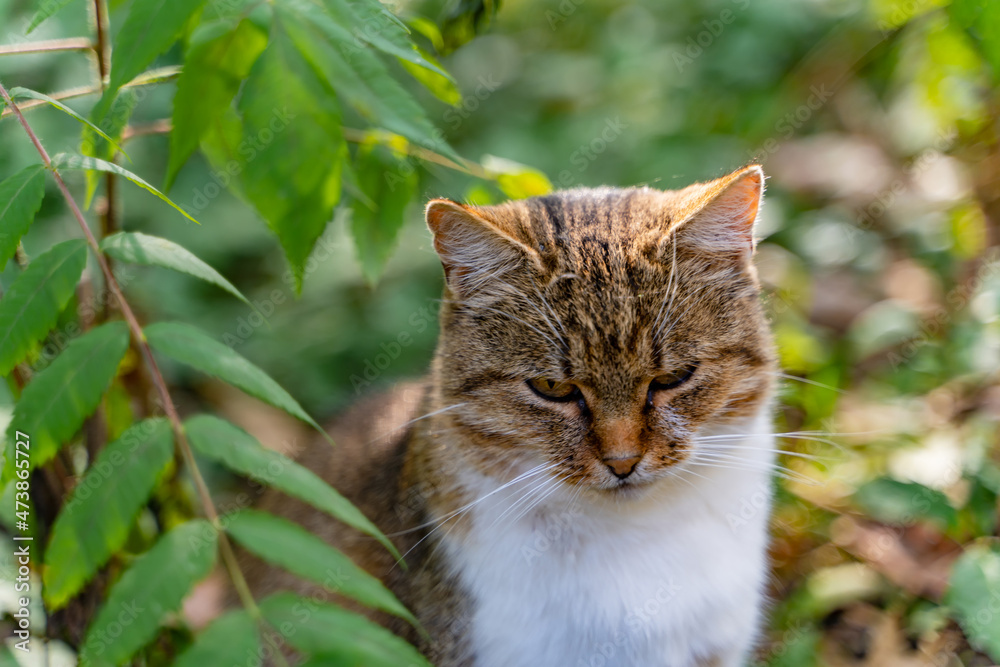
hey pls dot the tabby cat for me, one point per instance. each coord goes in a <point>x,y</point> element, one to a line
<point>567,483</point>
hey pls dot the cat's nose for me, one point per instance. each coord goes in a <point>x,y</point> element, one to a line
<point>622,467</point>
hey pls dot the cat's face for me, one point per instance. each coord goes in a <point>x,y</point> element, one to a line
<point>599,332</point>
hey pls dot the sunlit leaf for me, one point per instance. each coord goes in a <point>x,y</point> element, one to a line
<point>239,451</point>
<point>152,588</point>
<point>359,76</point>
<point>189,345</point>
<point>33,95</point>
<point>69,161</point>
<point>138,248</point>
<point>55,403</point>
<point>115,123</point>
<point>517,181</point>
<point>371,22</point>
<point>95,521</point>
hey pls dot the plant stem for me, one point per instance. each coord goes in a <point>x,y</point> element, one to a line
<point>228,555</point>
<point>109,219</point>
<point>72,44</point>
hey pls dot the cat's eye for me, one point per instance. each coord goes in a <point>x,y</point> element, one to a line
<point>554,390</point>
<point>672,379</point>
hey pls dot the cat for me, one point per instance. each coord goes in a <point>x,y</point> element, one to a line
<point>567,483</point>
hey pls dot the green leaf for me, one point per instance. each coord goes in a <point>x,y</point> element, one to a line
<point>239,451</point>
<point>973,590</point>
<point>95,521</point>
<point>115,123</point>
<point>31,94</point>
<point>288,113</point>
<point>391,181</point>
<point>151,589</point>
<point>359,76</point>
<point>151,27</point>
<point>346,638</point>
<point>46,11</point>
<point>138,248</point>
<point>371,22</point>
<point>31,307</point>
<point>441,87</point>
<point>191,346</point>
<point>58,399</point>
<point>20,198</point>
<point>904,503</point>
<point>69,161</point>
<point>285,544</point>
<point>516,180</point>
<point>230,640</point>
<point>218,59</point>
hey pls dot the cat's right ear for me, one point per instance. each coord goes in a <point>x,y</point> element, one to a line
<point>471,247</point>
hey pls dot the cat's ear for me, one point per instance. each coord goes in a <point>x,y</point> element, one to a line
<point>717,218</point>
<point>472,248</point>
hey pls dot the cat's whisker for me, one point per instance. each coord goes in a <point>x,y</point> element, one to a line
<point>534,471</point>
<point>396,429</point>
<point>777,471</point>
<point>525,497</point>
<point>782,452</point>
<point>441,522</point>
<point>555,486</point>
<point>796,378</point>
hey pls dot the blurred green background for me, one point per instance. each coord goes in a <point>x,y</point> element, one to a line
<point>877,123</point>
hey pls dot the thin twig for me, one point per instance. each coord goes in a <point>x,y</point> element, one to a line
<point>109,216</point>
<point>228,556</point>
<point>145,79</point>
<point>162,126</point>
<point>471,168</point>
<point>71,44</point>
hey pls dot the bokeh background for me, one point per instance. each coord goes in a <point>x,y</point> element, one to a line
<point>877,123</point>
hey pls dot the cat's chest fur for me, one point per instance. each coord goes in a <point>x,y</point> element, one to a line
<point>667,582</point>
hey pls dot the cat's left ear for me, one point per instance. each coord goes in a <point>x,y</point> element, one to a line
<point>717,218</point>
<point>474,249</point>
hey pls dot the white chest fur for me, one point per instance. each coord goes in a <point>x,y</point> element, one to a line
<point>671,580</point>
